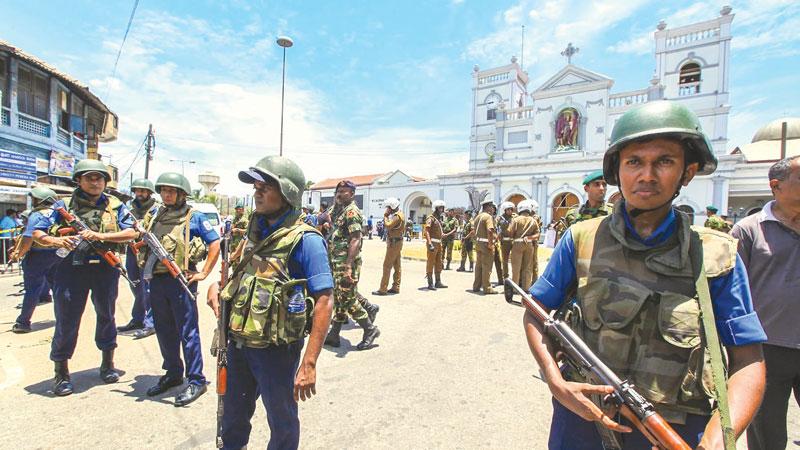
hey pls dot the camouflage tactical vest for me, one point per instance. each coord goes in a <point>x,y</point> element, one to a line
<point>640,310</point>
<point>171,228</point>
<point>268,306</point>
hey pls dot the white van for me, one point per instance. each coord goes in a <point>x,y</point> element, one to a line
<point>212,214</point>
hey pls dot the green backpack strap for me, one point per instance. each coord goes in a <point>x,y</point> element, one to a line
<point>713,344</point>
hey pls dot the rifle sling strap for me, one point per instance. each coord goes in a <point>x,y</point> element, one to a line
<point>712,342</point>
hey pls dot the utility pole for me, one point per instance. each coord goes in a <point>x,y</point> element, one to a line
<point>150,147</point>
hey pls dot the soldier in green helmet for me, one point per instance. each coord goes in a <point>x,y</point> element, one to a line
<point>641,278</point>
<point>189,237</point>
<point>280,290</point>
<point>595,206</point>
<point>38,261</point>
<point>141,322</point>
<point>79,272</point>
<point>238,225</point>
<point>345,255</point>
<point>714,221</point>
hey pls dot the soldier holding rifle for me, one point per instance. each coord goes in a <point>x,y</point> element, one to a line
<point>653,298</point>
<point>281,288</point>
<point>188,238</point>
<point>83,269</point>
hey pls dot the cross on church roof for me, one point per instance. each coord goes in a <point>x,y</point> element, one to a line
<point>569,52</point>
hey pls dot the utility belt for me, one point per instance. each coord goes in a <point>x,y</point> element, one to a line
<point>436,241</point>
<point>486,240</point>
<point>523,240</point>
<point>240,342</point>
<point>392,240</point>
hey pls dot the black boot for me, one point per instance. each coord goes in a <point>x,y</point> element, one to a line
<point>461,267</point>
<point>332,339</point>
<point>471,266</point>
<point>439,284</point>
<point>371,332</point>
<point>372,310</point>
<point>107,372</point>
<point>431,287</point>
<point>63,384</point>
<point>447,267</point>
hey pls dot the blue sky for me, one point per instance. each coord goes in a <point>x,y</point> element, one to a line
<point>371,85</point>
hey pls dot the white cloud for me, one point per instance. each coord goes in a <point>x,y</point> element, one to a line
<point>227,122</point>
<point>549,26</point>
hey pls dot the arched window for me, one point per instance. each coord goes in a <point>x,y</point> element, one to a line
<point>689,82</point>
<point>688,210</point>
<point>562,203</point>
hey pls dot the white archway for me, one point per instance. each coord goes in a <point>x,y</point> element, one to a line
<point>417,205</point>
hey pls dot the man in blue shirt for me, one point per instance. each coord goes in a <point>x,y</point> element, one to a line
<point>285,259</point>
<point>83,271</point>
<point>633,278</point>
<point>185,234</point>
<point>37,261</point>
<point>8,230</point>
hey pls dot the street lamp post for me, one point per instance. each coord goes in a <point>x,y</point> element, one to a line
<point>285,42</point>
<point>183,164</point>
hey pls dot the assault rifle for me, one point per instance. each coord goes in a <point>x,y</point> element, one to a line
<point>220,348</point>
<point>632,405</point>
<point>159,253</point>
<point>76,225</point>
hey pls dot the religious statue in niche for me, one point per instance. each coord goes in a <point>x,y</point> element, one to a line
<point>567,129</point>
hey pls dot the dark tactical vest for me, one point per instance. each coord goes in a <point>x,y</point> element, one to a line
<point>269,307</point>
<point>100,218</point>
<point>640,309</point>
<point>171,228</point>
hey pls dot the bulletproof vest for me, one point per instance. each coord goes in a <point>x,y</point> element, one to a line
<point>101,218</point>
<point>269,307</point>
<point>394,225</point>
<point>139,210</point>
<point>524,226</point>
<point>639,308</point>
<point>171,228</point>
<point>434,227</point>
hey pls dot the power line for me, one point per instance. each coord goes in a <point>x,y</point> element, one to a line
<point>136,158</point>
<point>119,52</point>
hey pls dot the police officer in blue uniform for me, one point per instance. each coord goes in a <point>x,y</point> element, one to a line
<point>77,274</point>
<point>37,261</point>
<point>289,260</point>
<point>141,314</point>
<point>186,234</point>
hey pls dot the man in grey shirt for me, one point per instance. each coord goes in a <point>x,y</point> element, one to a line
<point>769,245</point>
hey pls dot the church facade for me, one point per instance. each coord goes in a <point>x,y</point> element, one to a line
<point>539,143</point>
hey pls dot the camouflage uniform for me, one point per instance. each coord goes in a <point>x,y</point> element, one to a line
<point>346,221</point>
<point>466,245</point>
<point>238,222</point>
<point>448,224</point>
<point>715,222</point>
<point>584,212</point>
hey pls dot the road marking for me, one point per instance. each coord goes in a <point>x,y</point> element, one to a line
<point>12,368</point>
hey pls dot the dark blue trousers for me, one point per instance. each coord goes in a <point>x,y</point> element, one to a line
<point>140,312</point>
<point>568,431</point>
<point>268,372</point>
<point>71,289</point>
<point>175,320</point>
<point>36,266</point>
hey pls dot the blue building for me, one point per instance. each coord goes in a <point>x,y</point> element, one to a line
<point>49,121</point>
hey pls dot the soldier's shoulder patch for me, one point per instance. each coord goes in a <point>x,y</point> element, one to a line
<point>207,225</point>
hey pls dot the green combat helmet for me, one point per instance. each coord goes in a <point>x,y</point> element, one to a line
<point>143,183</point>
<point>44,194</point>
<point>90,165</point>
<point>175,180</point>
<point>659,119</point>
<point>596,175</point>
<point>289,176</point>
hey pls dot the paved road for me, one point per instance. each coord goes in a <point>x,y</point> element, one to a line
<point>451,370</point>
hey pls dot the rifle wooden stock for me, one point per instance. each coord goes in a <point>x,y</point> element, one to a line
<point>222,336</point>
<point>632,405</point>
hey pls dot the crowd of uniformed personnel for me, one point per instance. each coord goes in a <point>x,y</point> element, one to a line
<point>295,275</point>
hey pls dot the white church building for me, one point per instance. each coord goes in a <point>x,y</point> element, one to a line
<point>540,143</point>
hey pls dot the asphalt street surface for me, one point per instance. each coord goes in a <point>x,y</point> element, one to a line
<point>451,369</point>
